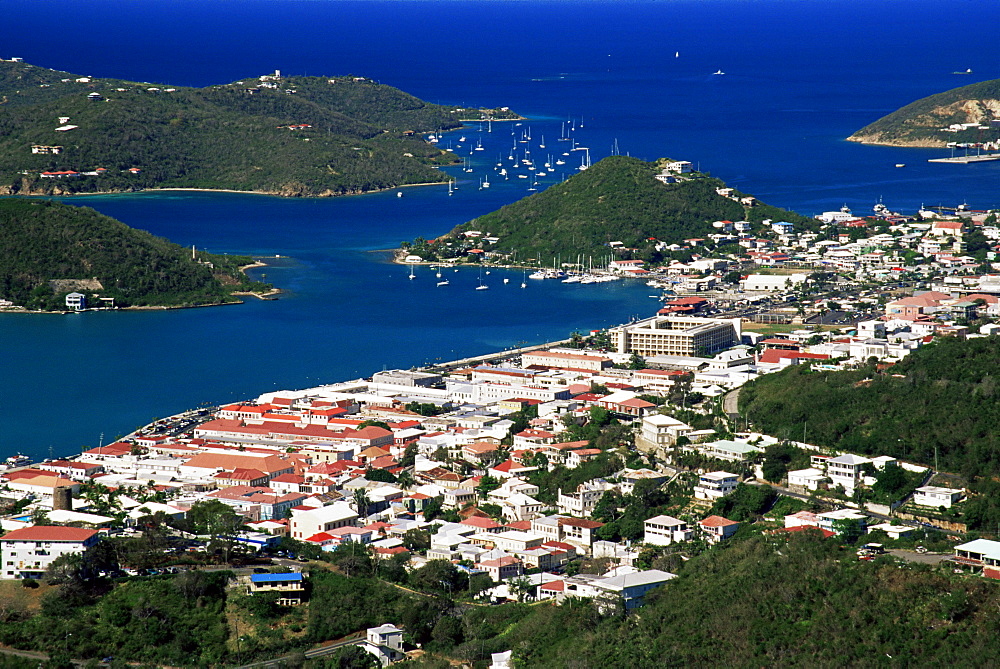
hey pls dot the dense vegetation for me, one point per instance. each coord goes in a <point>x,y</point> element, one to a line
<point>918,123</point>
<point>616,199</point>
<point>759,602</point>
<point>176,621</point>
<point>43,241</point>
<point>235,136</point>
<point>941,401</point>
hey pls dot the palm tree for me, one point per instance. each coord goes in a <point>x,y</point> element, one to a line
<point>361,502</point>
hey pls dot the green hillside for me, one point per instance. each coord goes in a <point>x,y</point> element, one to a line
<point>940,401</point>
<point>919,123</point>
<point>616,199</point>
<point>48,249</point>
<point>361,136</point>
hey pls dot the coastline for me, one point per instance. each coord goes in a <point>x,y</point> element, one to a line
<point>324,194</point>
<point>258,262</point>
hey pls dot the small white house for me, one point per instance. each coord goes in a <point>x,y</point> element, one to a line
<point>665,530</point>
<point>714,485</point>
<point>810,479</point>
<point>385,643</point>
<point>934,496</point>
<point>76,301</point>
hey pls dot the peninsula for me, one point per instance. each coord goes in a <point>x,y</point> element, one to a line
<point>964,115</point>
<point>63,133</point>
<point>57,257</point>
<point>620,206</point>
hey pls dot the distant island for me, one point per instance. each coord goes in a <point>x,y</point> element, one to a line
<point>57,257</point>
<point>63,133</point>
<point>621,205</point>
<point>968,114</point>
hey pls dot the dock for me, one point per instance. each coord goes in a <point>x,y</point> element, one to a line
<point>982,158</point>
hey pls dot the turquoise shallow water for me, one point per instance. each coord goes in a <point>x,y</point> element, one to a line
<point>800,76</point>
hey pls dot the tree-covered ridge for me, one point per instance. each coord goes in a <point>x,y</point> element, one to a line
<point>43,241</point>
<point>919,123</point>
<point>938,405</point>
<point>349,134</point>
<point>942,396</point>
<point>616,199</point>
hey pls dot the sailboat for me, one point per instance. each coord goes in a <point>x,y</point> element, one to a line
<point>677,54</point>
<point>486,181</point>
<point>524,279</point>
<point>479,146</point>
<point>718,72</point>
<point>412,275</point>
<point>481,286</point>
<point>506,280</point>
<point>451,191</point>
<point>542,145</point>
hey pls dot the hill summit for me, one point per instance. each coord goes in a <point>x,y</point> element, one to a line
<point>624,202</point>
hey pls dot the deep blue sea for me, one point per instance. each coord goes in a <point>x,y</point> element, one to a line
<point>799,77</point>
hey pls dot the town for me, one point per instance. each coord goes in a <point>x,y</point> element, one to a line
<point>581,469</point>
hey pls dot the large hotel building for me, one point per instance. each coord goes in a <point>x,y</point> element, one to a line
<point>676,335</point>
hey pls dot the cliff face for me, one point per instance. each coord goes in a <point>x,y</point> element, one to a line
<point>925,122</point>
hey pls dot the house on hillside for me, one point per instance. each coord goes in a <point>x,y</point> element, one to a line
<point>290,587</point>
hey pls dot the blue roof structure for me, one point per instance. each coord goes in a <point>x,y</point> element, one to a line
<point>275,578</point>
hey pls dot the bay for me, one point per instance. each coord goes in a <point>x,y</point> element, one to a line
<point>800,77</point>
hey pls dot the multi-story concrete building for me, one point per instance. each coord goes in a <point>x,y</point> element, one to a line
<point>714,485</point>
<point>676,335</point>
<point>28,552</point>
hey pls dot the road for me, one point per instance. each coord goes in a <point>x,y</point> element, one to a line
<point>730,404</point>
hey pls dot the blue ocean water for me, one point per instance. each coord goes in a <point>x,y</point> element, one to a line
<point>800,76</point>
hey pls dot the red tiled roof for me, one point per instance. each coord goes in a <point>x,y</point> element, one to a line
<point>49,533</point>
<point>717,521</point>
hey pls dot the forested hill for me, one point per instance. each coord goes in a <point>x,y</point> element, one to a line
<point>941,401</point>
<point>349,134</point>
<point>919,123</point>
<point>48,249</point>
<point>944,396</point>
<point>616,199</point>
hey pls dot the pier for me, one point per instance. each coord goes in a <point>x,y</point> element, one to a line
<point>967,159</point>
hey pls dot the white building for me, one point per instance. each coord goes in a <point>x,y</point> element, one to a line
<point>305,523</point>
<point>772,282</point>
<point>934,496</point>
<point>810,479</point>
<point>660,432</point>
<point>28,552</point>
<point>714,485</point>
<point>846,471</point>
<point>385,643</point>
<point>665,530</point>
<point>676,335</point>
